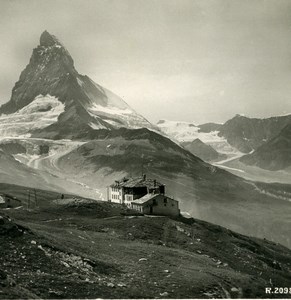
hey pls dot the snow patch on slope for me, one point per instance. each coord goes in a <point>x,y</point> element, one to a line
<point>117,117</point>
<point>96,126</point>
<point>40,113</point>
<point>109,107</point>
<point>110,110</point>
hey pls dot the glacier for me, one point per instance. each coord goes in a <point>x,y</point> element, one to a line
<point>40,113</point>
<point>180,131</point>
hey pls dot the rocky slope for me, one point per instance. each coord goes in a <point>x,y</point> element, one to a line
<point>247,134</point>
<point>273,155</point>
<point>205,152</point>
<point>100,250</point>
<point>50,88</point>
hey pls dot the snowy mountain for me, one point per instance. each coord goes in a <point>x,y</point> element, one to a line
<point>188,132</point>
<point>50,92</point>
<point>265,141</point>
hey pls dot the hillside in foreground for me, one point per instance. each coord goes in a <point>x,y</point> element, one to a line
<point>79,248</point>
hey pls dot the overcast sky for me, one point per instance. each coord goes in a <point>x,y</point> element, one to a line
<point>184,60</point>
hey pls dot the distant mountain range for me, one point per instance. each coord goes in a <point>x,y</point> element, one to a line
<point>266,142</point>
<point>186,133</point>
<point>247,134</point>
<point>273,155</point>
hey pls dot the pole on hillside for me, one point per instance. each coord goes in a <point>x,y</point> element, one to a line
<point>28,199</point>
<point>35,198</point>
<point>142,172</point>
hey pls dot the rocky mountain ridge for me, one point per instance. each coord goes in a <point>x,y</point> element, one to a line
<point>247,134</point>
<point>273,155</point>
<point>265,142</point>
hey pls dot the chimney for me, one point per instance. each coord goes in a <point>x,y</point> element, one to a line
<point>155,183</point>
<point>144,177</point>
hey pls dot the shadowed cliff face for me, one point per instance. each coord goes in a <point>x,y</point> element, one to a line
<point>202,150</point>
<point>50,71</point>
<point>247,134</point>
<point>274,154</point>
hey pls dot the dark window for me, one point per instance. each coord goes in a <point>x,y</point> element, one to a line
<point>165,200</point>
<point>165,204</point>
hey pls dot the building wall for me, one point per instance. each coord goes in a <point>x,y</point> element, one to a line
<point>9,202</point>
<point>115,195</point>
<point>160,205</point>
<point>127,199</point>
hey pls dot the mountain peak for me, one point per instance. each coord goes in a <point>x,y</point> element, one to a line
<point>47,39</point>
<point>51,73</point>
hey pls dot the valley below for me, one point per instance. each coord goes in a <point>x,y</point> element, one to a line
<point>254,173</point>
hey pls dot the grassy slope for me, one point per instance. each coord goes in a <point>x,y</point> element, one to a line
<point>91,251</point>
<point>43,197</point>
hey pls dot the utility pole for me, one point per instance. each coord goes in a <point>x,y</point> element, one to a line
<point>28,199</point>
<point>35,198</point>
<point>142,165</point>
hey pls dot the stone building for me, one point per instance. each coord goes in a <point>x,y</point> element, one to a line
<point>144,195</point>
<point>9,202</point>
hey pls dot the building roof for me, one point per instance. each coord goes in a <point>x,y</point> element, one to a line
<point>149,197</point>
<point>137,182</point>
<point>145,198</point>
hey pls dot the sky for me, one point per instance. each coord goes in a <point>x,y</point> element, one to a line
<point>185,60</point>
